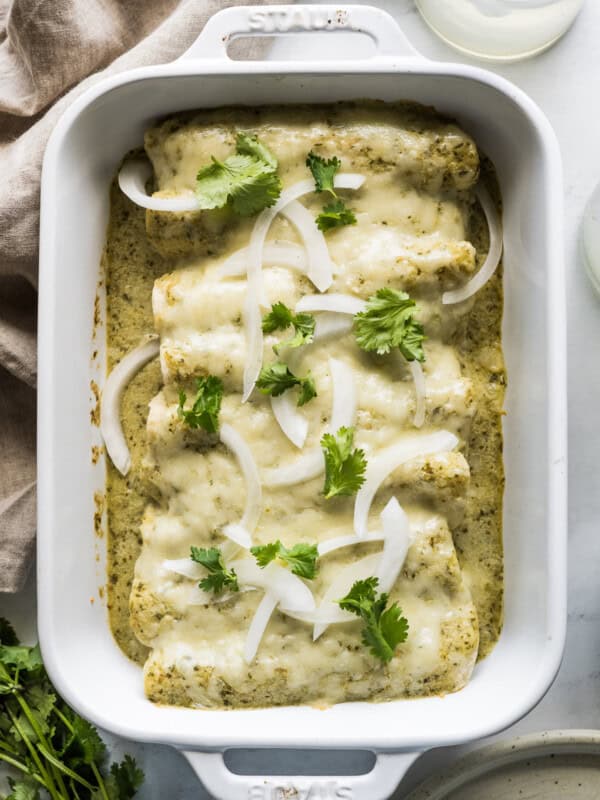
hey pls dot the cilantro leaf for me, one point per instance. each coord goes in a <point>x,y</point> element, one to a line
<point>335,215</point>
<point>249,144</point>
<point>7,633</point>
<point>344,467</point>
<point>265,553</point>
<point>21,657</point>
<point>126,778</point>
<point>247,181</point>
<point>204,413</point>
<point>323,171</point>
<point>26,789</point>
<point>219,576</point>
<point>308,390</point>
<point>388,322</point>
<point>276,378</point>
<point>384,628</point>
<point>301,558</point>
<point>281,317</point>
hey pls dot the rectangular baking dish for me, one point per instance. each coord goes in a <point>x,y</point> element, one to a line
<point>84,151</point>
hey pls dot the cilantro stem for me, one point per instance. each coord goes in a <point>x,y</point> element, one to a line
<point>100,780</point>
<point>47,776</point>
<point>40,735</point>
<point>22,767</point>
<point>64,769</point>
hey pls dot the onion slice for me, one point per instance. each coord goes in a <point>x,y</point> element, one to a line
<point>328,325</point>
<point>343,413</point>
<point>110,418</point>
<point>291,592</point>
<point>132,181</point>
<point>494,254</point>
<point>386,461</point>
<point>340,303</point>
<point>241,533</point>
<point>396,541</point>
<point>337,543</point>
<point>320,267</point>
<point>290,420</point>
<point>418,376</point>
<point>258,626</point>
<point>275,254</point>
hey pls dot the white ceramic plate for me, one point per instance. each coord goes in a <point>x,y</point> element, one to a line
<point>555,765</point>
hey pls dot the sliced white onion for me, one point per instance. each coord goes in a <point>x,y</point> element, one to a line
<point>418,376</point>
<point>110,418</point>
<point>494,254</point>
<point>132,179</point>
<point>292,593</point>
<point>290,420</point>
<point>241,532</point>
<point>340,303</point>
<point>275,254</point>
<point>258,626</point>
<point>186,567</point>
<point>337,543</point>
<point>386,461</point>
<point>397,539</point>
<point>328,325</point>
<point>320,267</point>
<point>343,414</point>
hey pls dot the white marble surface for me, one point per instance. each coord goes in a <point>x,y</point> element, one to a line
<point>565,82</point>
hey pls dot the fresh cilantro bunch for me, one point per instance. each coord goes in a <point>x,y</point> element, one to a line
<point>218,576</point>
<point>247,181</point>
<point>388,322</point>
<point>205,410</point>
<point>54,749</point>
<point>384,628</point>
<point>281,317</point>
<point>301,558</point>
<point>276,378</point>
<point>335,214</point>
<point>344,467</point>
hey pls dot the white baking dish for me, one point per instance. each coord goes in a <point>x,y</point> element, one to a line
<point>84,151</point>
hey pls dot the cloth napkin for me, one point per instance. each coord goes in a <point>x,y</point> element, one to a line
<point>51,51</point>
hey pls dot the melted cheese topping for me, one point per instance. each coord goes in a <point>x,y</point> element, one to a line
<point>412,223</point>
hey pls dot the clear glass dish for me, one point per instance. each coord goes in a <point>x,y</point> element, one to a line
<point>500,30</point>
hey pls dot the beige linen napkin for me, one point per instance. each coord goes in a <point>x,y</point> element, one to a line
<point>47,47</point>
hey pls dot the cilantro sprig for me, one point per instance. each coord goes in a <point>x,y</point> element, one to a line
<point>344,467</point>
<point>277,378</point>
<point>206,407</point>
<point>384,628</point>
<point>335,214</point>
<point>301,558</point>
<point>219,577</point>
<point>388,322</point>
<point>246,181</point>
<point>281,317</point>
<point>53,749</point>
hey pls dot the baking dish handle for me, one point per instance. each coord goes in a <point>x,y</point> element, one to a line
<point>378,784</point>
<point>286,20</point>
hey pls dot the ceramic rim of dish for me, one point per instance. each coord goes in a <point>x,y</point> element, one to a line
<point>495,756</point>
